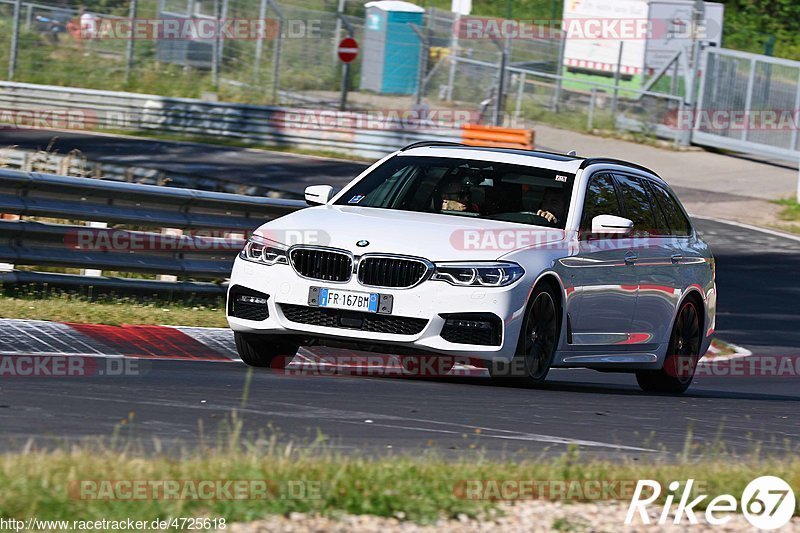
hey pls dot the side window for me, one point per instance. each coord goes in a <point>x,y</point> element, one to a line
<point>601,199</point>
<point>678,223</point>
<point>637,206</point>
<point>662,224</point>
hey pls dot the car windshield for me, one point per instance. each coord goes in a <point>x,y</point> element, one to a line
<point>466,187</point>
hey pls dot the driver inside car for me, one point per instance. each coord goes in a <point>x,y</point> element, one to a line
<point>457,197</point>
<point>552,206</point>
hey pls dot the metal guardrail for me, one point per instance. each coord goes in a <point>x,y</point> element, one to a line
<point>217,224</point>
<point>351,133</point>
<point>76,164</point>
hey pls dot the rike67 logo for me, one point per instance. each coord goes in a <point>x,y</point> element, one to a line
<point>768,502</point>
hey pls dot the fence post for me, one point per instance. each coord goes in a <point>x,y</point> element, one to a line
<point>215,46</point>
<point>262,17</point>
<point>337,35</point>
<point>130,48</point>
<point>451,76</point>
<point>423,61</point>
<point>520,92</point>
<point>276,52</point>
<point>346,67</point>
<point>560,78</point>
<point>12,55</point>
<point>748,102</point>
<point>592,104</point>
<point>617,75</point>
<point>798,186</point>
<point>501,82</point>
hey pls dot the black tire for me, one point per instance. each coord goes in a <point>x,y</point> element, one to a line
<point>683,353</point>
<point>274,351</point>
<point>538,340</point>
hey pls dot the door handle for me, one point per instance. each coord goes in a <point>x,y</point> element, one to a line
<point>676,258</point>
<point>631,257</point>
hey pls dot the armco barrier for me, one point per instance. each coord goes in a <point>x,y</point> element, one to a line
<point>369,136</point>
<point>497,137</point>
<point>217,222</point>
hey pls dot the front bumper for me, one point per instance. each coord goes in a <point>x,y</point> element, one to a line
<point>427,301</point>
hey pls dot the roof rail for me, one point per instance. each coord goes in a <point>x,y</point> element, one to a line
<point>609,160</point>
<point>421,144</point>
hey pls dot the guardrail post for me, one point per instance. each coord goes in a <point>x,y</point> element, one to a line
<point>94,272</point>
<point>8,267</point>
<point>172,232</point>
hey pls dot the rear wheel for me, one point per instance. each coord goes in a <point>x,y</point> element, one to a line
<point>274,351</point>
<point>537,344</point>
<point>682,355</point>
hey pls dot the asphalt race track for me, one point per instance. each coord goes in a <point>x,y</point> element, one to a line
<point>605,414</point>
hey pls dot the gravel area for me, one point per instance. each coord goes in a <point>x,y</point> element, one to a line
<point>529,516</point>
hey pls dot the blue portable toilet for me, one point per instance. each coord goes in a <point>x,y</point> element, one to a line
<point>391,49</point>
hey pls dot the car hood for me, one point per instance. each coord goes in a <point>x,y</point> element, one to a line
<point>428,235</point>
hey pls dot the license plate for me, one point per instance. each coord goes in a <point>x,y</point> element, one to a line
<point>350,300</point>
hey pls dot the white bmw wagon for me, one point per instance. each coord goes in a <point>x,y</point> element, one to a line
<point>518,261</point>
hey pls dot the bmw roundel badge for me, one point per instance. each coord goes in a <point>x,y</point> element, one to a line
<point>362,243</point>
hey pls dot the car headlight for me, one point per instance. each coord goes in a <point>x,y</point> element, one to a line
<point>264,251</point>
<point>478,274</point>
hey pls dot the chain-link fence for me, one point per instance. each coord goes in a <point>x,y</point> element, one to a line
<point>284,52</point>
<point>750,103</point>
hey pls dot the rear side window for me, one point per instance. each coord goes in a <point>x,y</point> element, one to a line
<point>678,223</point>
<point>638,208</point>
<point>601,199</point>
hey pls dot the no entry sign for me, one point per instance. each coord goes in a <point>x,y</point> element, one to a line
<point>348,50</point>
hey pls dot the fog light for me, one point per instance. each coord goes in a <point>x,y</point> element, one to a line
<point>251,299</point>
<point>468,323</point>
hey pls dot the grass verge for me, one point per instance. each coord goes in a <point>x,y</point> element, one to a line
<point>422,489</point>
<point>113,310</point>
<point>790,211</point>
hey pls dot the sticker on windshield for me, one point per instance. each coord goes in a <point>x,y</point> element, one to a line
<point>559,177</point>
<point>355,199</point>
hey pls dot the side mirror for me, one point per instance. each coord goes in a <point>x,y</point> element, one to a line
<point>318,194</point>
<point>611,225</point>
